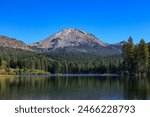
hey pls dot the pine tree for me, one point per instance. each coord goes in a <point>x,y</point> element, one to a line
<point>149,59</point>
<point>136,59</point>
<point>143,56</point>
<point>128,55</point>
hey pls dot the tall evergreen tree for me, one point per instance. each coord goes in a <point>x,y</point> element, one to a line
<point>149,59</point>
<point>143,56</point>
<point>135,59</point>
<point>128,54</point>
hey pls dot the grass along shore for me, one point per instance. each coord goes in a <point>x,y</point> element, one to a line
<point>10,71</point>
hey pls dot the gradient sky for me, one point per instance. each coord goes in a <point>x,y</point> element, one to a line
<point>110,20</point>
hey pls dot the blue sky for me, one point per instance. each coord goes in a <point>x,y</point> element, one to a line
<point>110,20</point>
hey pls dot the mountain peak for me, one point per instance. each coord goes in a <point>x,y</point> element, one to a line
<point>70,37</point>
<point>70,31</point>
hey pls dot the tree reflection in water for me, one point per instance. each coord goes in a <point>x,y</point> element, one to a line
<point>77,88</point>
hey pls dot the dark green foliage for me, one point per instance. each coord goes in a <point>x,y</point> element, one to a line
<point>76,62</point>
<point>20,59</point>
<point>128,54</point>
<point>149,58</point>
<point>64,62</point>
<point>143,55</point>
<point>136,57</point>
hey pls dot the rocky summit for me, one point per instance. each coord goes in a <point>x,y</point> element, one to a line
<point>69,37</point>
<point>72,40</point>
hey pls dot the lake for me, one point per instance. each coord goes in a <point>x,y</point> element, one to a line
<point>74,87</point>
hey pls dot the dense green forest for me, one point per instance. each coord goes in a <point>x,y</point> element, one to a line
<point>56,62</point>
<point>15,61</point>
<point>78,63</point>
<point>135,59</point>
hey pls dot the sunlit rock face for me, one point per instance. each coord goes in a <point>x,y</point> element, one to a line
<point>13,43</point>
<point>73,40</point>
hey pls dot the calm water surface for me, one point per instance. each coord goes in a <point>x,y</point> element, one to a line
<point>74,87</point>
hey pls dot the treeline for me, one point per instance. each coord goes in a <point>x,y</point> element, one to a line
<point>136,57</point>
<point>22,61</point>
<point>101,65</point>
<point>66,63</point>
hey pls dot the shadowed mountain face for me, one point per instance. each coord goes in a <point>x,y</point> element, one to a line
<point>13,43</point>
<point>71,40</point>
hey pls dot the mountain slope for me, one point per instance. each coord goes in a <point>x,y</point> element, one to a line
<point>119,45</point>
<point>13,43</point>
<point>74,40</point>
<point>69,37</point>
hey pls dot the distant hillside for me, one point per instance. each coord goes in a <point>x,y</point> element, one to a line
<point>13,43</point>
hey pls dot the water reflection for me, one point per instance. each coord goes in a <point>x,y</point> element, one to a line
<point>71,87</point>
